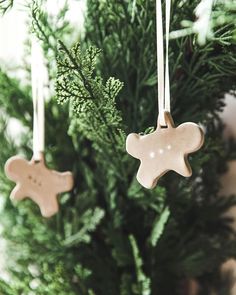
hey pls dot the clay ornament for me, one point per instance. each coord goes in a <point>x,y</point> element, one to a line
<point>165,149</point>
<point>35,181</point>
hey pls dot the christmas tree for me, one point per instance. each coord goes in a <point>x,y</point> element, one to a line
<point>111,236</point>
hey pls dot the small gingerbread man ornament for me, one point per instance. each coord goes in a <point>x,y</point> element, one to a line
<point>165,149</point>
<point>34,180</point>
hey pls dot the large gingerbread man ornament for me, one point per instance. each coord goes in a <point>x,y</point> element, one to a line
<point>165,149</point>
<point>34,180</point>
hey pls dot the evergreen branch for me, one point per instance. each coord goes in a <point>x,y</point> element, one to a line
<point>209,18</point>
<point>5,5</point>
<point>159,226</point>
<point>46,28</point>
<point>94,103</point>
<point>143,281</point>
<point>6,289</point>
<point>77,68</point>
<point>15,101</point>
<point>90,219</point>
<point>38,18</point>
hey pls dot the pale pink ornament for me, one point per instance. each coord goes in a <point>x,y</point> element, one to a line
<point>35,181</point>
<point>165,149</point>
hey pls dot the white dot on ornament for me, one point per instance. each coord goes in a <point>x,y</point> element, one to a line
<point>161,151</point>
<point>152,155</point>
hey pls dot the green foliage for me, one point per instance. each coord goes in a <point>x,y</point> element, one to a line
<point>49,28</point>
<point>210,21</point>
<point>90,221</point>
<point>159,226</point>
<point>5,5</point>
<point>143,283</point>
<point>112,236</point>
<point>92,101</point>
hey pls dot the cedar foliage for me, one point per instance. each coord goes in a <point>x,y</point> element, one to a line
<point>111,236</point>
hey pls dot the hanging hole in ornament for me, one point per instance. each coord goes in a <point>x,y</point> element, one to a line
<point>164,127</point>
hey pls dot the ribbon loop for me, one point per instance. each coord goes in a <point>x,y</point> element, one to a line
<point>37,81</point>
<point>163,71</point>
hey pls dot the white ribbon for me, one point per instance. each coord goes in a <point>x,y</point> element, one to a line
<point>163,71</point>
<point>37,80</point>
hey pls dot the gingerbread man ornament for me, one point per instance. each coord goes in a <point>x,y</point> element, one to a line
<point>165,149</point>
<point>34,180</point>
